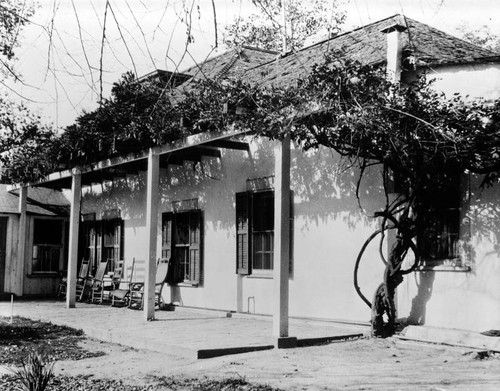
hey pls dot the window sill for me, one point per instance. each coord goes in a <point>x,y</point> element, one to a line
<point>445,265</point>
<point>187,285</point>
<point>263,274</point>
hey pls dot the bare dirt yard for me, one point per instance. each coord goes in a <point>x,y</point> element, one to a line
<point>365,364</point>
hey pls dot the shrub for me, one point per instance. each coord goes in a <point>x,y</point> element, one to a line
<point>34,374</point>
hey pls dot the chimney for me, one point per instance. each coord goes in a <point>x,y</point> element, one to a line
<point>394,49</point>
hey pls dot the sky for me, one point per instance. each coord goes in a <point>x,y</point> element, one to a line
<point>62,51</point>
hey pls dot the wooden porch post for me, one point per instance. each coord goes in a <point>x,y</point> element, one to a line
<point>74,225</point>
<point>282,243</point>
<point>23,230</point>
<point>153,182</point>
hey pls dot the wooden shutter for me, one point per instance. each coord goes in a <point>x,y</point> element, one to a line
<point>195,247</point>
<point>166,235</point>
<point>243,237</point>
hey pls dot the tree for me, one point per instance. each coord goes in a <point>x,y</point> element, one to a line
<point>481,36</point>
<point>14,14</point>
<point>304,19</point>
<point>141,113</point>
<point>23,137</point>
<point>24,142</point>
<point>420,140</point>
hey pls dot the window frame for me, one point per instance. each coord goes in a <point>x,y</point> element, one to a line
<point>190,270</point>
<point>245,234</point>
<point>453,209</point>
<point>94,246</point>
<point>40,248</point>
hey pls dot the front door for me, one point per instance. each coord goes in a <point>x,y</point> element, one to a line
<point>3,246</point>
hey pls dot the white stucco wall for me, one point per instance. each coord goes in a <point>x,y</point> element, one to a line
<point>468,299</point>
<point>474,80</point>
<point>463,299</point>
<point>329,230</point>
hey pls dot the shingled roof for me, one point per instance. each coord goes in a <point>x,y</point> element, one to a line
<point>429,46</point>
<point>233,63</point>
<point>230,64</point>
<point>41,201</point>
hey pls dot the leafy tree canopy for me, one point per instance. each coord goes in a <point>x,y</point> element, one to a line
<point>304,19</point>
<point>14,14</point>
<point>482,36</point>
<point>24,142</point>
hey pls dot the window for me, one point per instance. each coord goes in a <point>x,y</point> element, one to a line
<point>255,231</point>
<point>182,238</point>
<point>47,245</point>
<point>439,222</point>
<point>102,239</point>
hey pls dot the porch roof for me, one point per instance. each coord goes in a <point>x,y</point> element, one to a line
<point>191,148</point>
<point>46,202</point>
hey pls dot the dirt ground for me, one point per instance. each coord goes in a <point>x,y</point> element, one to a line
<point>365,364</point>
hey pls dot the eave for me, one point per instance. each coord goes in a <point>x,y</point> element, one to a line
<point>191,148</point>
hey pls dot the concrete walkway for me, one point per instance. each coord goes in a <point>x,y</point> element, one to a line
<point>186,332</point>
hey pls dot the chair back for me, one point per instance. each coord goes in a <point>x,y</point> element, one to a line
<point>161,271</point>
<point>84,269</point>
<point>118,271</point>
<point>139,272</point>
<point>101,270</point>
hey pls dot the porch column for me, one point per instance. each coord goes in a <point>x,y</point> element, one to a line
<point>74,225</point>
<point>281,239</point>
<point>153,182</point>
<point>23,231</point>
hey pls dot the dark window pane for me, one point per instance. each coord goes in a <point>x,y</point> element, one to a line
<point>263,211</point>
<point>47,232</point>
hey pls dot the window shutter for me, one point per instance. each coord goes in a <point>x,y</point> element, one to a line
<point>166,235</point>
<point>121,249</point>
<point>243,237</point>
<point>195,247</point>
<point>99,237</point>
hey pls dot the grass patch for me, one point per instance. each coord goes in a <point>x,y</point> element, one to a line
<point>25,336</point>
<point>87,383</point>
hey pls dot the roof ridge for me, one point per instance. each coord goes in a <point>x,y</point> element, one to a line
<point>197,65</point>
<point>257,49</point>
<point>354,30</point>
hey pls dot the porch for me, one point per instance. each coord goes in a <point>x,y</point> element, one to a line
<point>186,332</point>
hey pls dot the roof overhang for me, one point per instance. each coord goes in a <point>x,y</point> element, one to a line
<point>191,148</point>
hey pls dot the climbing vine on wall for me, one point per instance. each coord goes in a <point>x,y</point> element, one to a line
<point>418,137</point>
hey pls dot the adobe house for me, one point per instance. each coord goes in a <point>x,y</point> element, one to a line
<point>262,226</point>
<point>33,227</point>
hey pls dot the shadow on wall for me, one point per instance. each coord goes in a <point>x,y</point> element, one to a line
<point>424,293</point>
<point>483,216</point>
<point>323,186</point>
<point>479,245</point>
<point>125,194</point>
